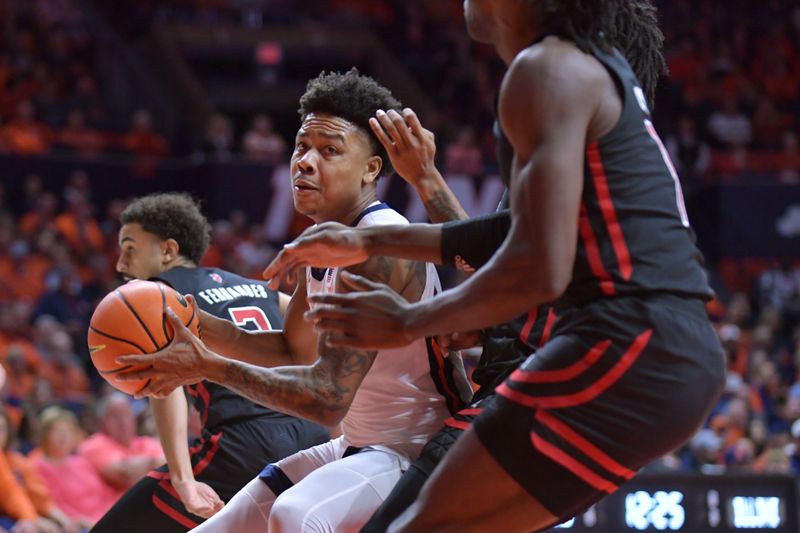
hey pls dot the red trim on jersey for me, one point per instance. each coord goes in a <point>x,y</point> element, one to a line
<point>197,447</point>
<point>548,326</point>
<point>167,486</point>
<point>572,465</point>
<point>564,374</point>
<point>598,172</point>
<point>593,254</point>
<point>206,397</point>
<point>587,394</point>
<point>165,508</point>
<point>204,462</point>
<point>458,424</point>
<point>590,450</point>
<point>526,329</point>
<point>472,411</point>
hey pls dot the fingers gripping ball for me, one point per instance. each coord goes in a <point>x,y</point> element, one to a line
<point>132,320</point>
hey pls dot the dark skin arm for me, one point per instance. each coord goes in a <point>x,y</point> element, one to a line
<point>553,100</point>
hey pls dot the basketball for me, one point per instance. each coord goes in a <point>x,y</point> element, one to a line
<point>131,320</point>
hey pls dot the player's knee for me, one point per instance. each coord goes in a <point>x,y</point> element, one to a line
<point>290,514</point>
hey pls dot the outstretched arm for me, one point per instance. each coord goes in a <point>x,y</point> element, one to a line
<point>296,344</point>
<point>321,392</point>
<point>170,415</point>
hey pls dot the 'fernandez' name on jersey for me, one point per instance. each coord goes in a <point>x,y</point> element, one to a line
<point>249,304</point>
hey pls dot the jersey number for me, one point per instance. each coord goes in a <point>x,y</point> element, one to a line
<point>242,316</point>
<point>667,161</point>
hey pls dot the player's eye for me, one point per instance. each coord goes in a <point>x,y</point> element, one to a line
<point>331,150</point>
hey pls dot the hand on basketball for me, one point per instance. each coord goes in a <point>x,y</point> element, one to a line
<point>198,497</point>
<point>326,245</point>
<point>411,148</point>
<point>373,316</point>
<point>182,362</point>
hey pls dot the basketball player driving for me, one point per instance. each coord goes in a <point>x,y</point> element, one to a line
<point>388,406</point>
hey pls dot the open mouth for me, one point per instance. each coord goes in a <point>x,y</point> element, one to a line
<point>303,186</point>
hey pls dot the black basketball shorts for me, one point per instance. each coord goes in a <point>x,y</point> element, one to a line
<point>620,383</point>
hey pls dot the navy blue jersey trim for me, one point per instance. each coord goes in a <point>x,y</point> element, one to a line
<point>276,480</point>
<point>367,211</point>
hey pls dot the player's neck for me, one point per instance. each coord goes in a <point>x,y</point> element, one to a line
<point>347,216</point>
<point>180,261</point>
<point>516,38</point>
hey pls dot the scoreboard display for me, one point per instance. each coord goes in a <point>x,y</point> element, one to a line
<point>694,504</point>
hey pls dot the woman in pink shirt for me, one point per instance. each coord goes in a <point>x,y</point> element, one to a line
<point>75,485</point>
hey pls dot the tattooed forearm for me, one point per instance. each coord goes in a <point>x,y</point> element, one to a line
<point>321,392</point>
<point>442,206</point>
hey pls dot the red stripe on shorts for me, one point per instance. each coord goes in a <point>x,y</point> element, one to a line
<point>572,465</point>
<point>165,508</point>
<point>598,387</point>
<point>554,376</point>
<point>590,450</point>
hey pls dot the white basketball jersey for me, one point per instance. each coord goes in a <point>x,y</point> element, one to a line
<point>409,391</point>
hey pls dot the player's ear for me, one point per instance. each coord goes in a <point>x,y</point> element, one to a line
<point>373,170</point>
<point>171,250</point>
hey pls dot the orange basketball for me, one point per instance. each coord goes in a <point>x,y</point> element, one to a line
<point>131,320</point>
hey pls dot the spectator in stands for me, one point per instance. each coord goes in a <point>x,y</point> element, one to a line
<point>794,450</point>
<point>217,143</point>
<point>31,267</point>
<point>463,156</point>
<point>788,160</point>
<point>25,136</point>
<point>690,154</point>
<point>261,143</point>
<point>141,139</point>
<point>78,138</point>
<point>26,498</point>
<point>65,301</point>
<point>702,452</point>
<point>77,225</point>
<point>121,457</point>
<point>64,371</point>
<point>779,284</point>
<point>22,373</point>
<point>729,127</point>
<point>32,189</point>
<point>41,216</point>
<point>74,484</point>
<point>769,124</point>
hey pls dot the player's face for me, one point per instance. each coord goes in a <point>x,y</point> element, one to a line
<point>119,422</point>
<point>140,253</point>
<point>333,169</point>
<point>479,17</point>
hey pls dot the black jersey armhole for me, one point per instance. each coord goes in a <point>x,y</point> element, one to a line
<point>620,86</point>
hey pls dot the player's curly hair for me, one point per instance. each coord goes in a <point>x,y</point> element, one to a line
<point>172,216</point>
<point>353,97</point>
<point>631,26</point>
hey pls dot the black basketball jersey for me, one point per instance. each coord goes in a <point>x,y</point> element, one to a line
<point>249,304</point>
<point>633,233</point>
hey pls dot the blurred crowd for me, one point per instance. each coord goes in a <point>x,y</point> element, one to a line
<point>730,110</point>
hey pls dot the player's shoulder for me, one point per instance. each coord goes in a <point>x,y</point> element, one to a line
<point>558,64</point>
<point>381,214</point>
